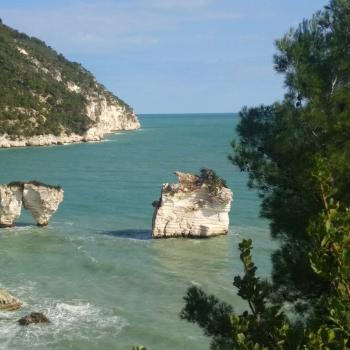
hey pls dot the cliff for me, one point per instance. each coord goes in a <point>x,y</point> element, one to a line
<point>197,206</point>
<point>46,99</point>
<point>40,199</point>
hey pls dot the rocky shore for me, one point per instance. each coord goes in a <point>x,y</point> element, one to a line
<point>49,100</point>
<point>105,116</point>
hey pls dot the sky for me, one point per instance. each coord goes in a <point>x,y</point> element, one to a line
<point>169,56</point>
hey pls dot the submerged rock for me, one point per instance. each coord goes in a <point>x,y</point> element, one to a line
<point>197,206</point>
<point>8,302</point>
<point>10,204</point>
<point>42,201</point>
<point>34,317</point>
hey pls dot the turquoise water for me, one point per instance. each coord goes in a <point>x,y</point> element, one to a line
<point>95,271</point>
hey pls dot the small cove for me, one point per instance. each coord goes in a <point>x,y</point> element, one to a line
<point>95,271</point>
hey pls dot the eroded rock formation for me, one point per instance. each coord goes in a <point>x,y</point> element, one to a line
<point>196,206</point>
<point>40,199</point>
<point>10,204</point>
<point>8,302</point>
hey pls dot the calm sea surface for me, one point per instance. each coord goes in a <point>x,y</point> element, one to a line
<point>95,271</point>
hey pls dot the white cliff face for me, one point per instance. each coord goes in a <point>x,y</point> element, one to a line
<point>191,209</point>
<point>111,116</point>
<point>46,140</point>
<point>106,116</point>
<point>42,201</point>
<point>10,204</point>
<point>8,302</point>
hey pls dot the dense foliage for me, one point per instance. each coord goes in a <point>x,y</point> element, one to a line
<point>266,326</point>
<point>34,97</point>
<point>262,325</point>
<point>213,181</point>
<point>280,145</point>
<point>297,154</point>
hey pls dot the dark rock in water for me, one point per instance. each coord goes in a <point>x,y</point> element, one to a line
<point>34,317</point>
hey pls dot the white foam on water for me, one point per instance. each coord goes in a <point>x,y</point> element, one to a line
<point>196,241</point>
<point>195,283</point>
<point>86,253</point>
<point>195,337</point>
<point>69,223</point>
<point>78,242</point>
<point>68,321</point>
<point>19,228</point>
<point>65,316</point>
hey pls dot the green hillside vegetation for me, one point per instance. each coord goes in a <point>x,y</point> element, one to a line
<point>32,100</point>
<point>32,182</point>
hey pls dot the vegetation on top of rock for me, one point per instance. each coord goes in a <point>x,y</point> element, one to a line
<point>208,177</point>
<point>41,92</point>
<point>32,182</point>
<point>213,181</point>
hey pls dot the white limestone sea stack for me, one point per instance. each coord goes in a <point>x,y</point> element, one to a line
<point>40,199</point>
<point>196,206</point>
<point>10,204</point>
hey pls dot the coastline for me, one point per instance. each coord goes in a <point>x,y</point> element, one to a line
<point>94,134</point>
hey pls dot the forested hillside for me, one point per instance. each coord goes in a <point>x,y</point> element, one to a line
<point>41,92</point>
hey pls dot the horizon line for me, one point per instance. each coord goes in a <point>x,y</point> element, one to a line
<point>185,113</point>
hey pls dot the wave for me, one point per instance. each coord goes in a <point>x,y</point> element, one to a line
<point>68,321</point>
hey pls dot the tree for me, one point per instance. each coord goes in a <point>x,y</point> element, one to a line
<point>265,325</point>
<point>278,145</point>
<point>297,155</point>
<point>261,325</point>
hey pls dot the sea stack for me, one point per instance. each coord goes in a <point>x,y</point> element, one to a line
<point>10,204</point>
<point>40,199</point>
<point>197,206</point>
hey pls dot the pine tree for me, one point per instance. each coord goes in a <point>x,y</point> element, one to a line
<point>297,155</point>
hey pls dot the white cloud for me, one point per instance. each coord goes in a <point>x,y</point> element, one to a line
<point>107,25</point>
<point>178,4</point>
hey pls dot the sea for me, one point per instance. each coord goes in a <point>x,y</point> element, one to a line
<point>95,270</point>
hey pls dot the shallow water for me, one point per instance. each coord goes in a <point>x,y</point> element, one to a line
<point>95,271</point>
